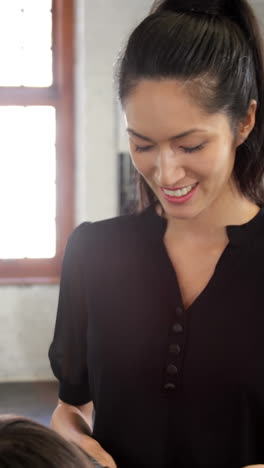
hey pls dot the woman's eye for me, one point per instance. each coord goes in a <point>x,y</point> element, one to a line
<point>192,149</point>
<point>141,149</point>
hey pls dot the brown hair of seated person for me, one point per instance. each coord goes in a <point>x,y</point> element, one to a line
<point>27,444</point>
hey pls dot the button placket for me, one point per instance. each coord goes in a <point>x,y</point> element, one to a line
<point>177,328</point>
<point>175,346</point>
<point>179,311</point>
<point>175,349</point>
<point>172,369</point>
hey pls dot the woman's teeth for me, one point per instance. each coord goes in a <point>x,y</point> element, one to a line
<point>180,192</point>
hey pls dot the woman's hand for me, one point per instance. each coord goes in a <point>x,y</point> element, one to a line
<point>94,449</point>
<point>74,424</point>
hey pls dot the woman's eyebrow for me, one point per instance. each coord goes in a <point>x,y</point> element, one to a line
<point>180,135</point>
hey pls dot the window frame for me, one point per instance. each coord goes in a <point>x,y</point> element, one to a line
<point>60,95</point>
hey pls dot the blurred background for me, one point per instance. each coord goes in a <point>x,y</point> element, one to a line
<point>63,160</point>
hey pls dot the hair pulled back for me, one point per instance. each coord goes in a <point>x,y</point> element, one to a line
<point>216,46</point>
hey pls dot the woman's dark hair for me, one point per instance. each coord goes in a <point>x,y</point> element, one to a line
<point>216,48</point>
<point>28,444</point>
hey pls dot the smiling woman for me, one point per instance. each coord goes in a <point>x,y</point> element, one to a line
<point>190,154</point>
<point>158,343</point>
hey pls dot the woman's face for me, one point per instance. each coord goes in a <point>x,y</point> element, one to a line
<point>185,155</point>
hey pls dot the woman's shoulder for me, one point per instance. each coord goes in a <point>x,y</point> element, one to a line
<point>107,230</point>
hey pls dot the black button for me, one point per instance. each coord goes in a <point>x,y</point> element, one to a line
<point>177,328</point>
<point>179,311</point>
<point>172,369</point>
<point>175,349</point>
<point>169,386</point>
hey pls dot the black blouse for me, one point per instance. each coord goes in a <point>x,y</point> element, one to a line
<point>171,387</point>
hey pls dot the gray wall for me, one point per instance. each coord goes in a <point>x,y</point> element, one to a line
<point>27,313</point>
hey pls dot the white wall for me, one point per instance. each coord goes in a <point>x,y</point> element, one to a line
<point>26,317</point>
<point>103,25</point>
<point>27,313</point>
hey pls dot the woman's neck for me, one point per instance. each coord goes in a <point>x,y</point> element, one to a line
<point>210,225</point>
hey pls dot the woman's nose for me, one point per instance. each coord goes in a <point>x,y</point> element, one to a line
<point>169,169</point>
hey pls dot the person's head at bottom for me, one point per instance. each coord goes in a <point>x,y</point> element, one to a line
<point>27,444</point>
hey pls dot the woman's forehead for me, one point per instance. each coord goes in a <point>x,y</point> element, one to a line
<point>165,107</point>
<point>153,97</point>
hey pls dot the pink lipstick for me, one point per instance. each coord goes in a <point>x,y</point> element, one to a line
<point>179,199</point>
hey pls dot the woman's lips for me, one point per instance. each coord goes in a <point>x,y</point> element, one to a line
<point>179,195</point>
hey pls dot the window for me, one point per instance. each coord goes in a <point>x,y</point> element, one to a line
<point>36,144</point>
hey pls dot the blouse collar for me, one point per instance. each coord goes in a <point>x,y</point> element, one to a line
<point>237,234</point>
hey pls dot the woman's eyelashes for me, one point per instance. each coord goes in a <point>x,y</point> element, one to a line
<point>186,149</point>
<point>193,148</point>
<point>141,149</point>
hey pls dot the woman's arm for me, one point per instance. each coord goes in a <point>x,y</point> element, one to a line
<point>68,350</point>
<point>75,424</point>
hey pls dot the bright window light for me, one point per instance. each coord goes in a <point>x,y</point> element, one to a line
<point>27,182</point>
<point>25,43</point>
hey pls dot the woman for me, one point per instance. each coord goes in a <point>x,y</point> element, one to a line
<point>160,320</point>
<point>27,444</point>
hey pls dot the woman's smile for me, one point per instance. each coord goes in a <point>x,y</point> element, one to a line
<point>185,155</point>
<point>179,195</point>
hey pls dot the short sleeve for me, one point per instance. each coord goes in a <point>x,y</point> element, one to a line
<point>68,350</point>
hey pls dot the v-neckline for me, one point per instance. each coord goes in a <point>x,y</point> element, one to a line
<point>237,235</point>
<point>209,284</point>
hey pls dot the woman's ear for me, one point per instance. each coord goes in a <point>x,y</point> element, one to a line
<point>248,123</point>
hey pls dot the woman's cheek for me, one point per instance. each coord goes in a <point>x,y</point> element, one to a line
<point>142,164</point>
